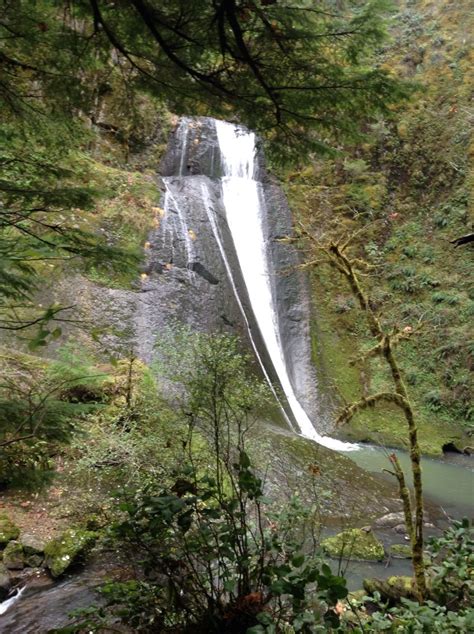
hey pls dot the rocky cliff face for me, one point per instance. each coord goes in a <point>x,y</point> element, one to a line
<point>191,272</point>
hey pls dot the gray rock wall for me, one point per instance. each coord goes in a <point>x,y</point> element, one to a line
<point>185,277</point>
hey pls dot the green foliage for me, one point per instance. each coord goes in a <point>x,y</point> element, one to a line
<point>221,564</point>
<point>231,58</point>
<point>412,618</point>
<point>128,445</point>
<point>211,552</point>
<point>41,405</point>
<point>449,563</point>
<point>420,160</point>
<point>216,385</point>
<point>452,565</point>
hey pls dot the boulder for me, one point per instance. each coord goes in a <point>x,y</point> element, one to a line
<point>13,556</point>
<point>400,551</point>
<point>390,520</point>
<point>393,588</point>
<point>8,530</point>
<point>32,545</point>
<point>69,548</point>
<point>354,543</point>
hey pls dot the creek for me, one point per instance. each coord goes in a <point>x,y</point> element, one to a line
<point>448,482</point>
<point>448,487</point>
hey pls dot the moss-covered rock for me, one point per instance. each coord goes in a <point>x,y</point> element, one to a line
<point>400,551</point>
<point>13,556</point>
<point>393,588</point>
<point>67,549</point>
<point>8,530</point>
<point>354,543</point>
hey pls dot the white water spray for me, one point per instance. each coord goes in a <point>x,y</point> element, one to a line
<point>241,194</point>
<point>5,605</point>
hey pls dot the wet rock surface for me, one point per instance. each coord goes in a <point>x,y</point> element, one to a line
<point>5,582</point>
<point>191,272</point>
<point>32,545</point>
<point>43,606</point>
<point>390,520</point>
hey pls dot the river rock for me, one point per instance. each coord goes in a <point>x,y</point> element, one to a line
<point>400,529</point>
<point>5,582</point>
<point>67,549</point>
<point>354,543</point>
<point>390,520</point>
<point>393,588</point>
<point>8,530</point>
<point>400,551</point>
<point>13,556</point>
<point>32,545</point>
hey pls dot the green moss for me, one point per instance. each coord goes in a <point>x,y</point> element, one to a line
<point>67,549</point>
<point>400,551</point>
<point>354,543</point>
<point>412,175</point>
<point>8,530</point>
<point>336,339</point>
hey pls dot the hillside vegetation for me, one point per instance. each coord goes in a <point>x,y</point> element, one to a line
<point>406,191</point>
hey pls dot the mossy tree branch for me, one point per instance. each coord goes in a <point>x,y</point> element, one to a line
<point>336,255</point>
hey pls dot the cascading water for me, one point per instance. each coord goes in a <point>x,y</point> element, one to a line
<point>243,207</point>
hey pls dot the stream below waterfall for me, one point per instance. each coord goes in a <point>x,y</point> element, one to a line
<point>447,482</point>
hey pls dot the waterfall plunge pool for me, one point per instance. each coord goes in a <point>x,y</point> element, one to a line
<point>447,482</point>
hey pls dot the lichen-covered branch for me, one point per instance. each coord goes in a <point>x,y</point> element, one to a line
<point>386,341</point>
<point>368,401</point>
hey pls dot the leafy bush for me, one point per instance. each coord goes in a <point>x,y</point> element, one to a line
<point>452,565</point>
<point>450,568</point>
<point>411,618</point>
<point>211,554</point>
<point>215,562</point>
<point>40,405</point>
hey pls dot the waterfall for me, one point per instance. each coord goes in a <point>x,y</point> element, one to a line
<point>5,605</point>
<point>242,197</point>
